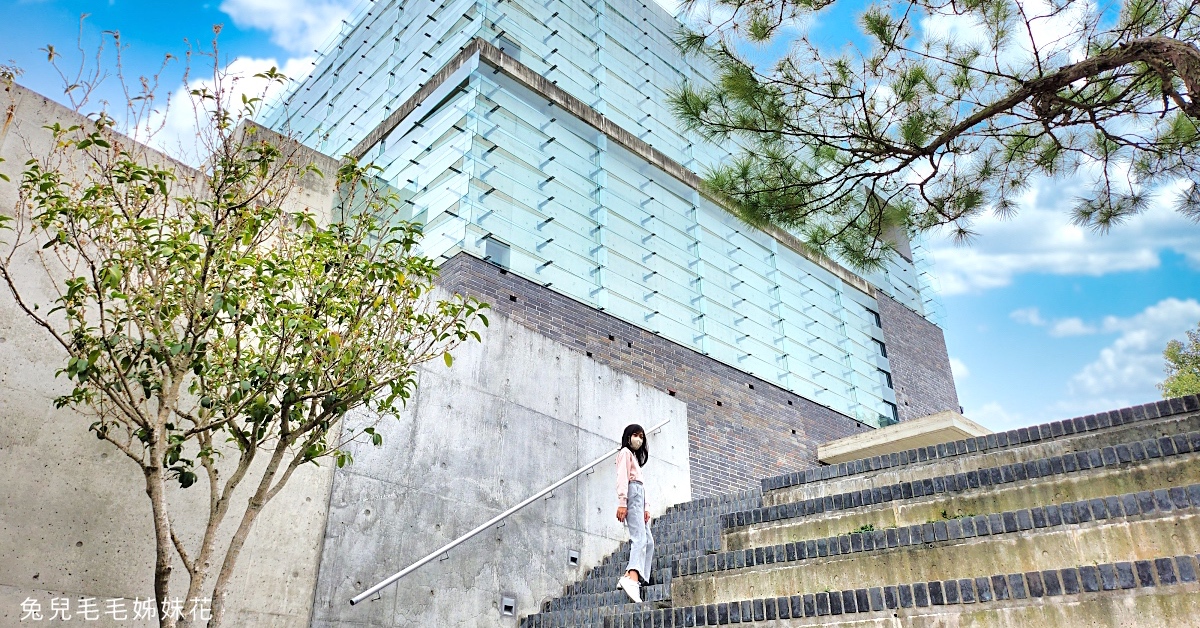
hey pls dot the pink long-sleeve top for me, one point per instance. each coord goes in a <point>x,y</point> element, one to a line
<point>628,470</point>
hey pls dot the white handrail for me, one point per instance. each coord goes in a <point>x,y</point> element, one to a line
<point>491,522</point>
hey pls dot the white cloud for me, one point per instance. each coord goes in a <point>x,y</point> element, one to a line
<point>1027,316</point>
<point>995,417</point>
<point>1040,239</point>
<point>1073,326</point>
<point>1055,29</point>
<point>176,132</point>
<point>1132,365</point>
<point>959,369</point>
<point>299,26</point>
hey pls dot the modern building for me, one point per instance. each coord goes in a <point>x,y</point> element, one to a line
<point>536,135</point>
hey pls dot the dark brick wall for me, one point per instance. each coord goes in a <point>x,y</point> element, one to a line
<point>738,434</point>
<point>920,364</point>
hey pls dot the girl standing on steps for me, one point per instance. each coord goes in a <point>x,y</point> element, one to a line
<point>633,511</point>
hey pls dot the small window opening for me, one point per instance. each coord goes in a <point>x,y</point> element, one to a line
<point>573,558</point>
<point>589,354</point>
<point>611,337</point>
<point>887,377</point>
<point>789,402</point>
<point>751,386</point>
<point>882,348</point>
<point>508,606</point>
<point>512,297</point>
<point>875,317</point>
<point>718,403</point>
<point>496,252</point>
<point>884,421</point>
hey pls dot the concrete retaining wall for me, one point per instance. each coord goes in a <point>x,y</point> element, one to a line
<point>514,414</point>
<point>76,519</point>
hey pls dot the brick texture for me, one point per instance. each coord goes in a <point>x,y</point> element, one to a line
<point>740,428</point>
<point>920,364</point>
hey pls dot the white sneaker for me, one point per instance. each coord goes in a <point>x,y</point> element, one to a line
<point>630,588</point>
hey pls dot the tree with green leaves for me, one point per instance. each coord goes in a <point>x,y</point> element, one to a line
<point>946,110</point>
<point>1182,367</point>
<point>215,331</point>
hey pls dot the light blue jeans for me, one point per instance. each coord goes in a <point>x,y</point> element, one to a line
<point>641,555</point>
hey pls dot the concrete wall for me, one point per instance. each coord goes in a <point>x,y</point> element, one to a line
<point>741,428</point>
<point>513,415</point>
<point>920,365</point>
<point>76,519</point>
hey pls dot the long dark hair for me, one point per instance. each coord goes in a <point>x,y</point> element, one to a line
<point>642,454</point>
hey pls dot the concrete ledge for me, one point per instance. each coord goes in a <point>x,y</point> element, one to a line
<point>934,429</point>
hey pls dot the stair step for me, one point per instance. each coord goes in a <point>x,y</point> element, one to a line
<point>1015,474</point>
<point>1129,478</point>
<point>1172,576</point>
<point>1161,503</point>
<point>1118,490</point>
<point>1013,439</point>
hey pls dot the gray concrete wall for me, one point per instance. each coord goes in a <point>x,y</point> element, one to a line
<point>513,415</point>
<point>75,520</point>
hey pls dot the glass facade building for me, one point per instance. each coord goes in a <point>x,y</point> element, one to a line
<point>536,134</point>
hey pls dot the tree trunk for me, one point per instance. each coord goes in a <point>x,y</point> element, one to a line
<point>253,508</point>
<point>164,550</point>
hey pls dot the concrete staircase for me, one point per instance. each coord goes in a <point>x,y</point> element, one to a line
<point>1092,521</point>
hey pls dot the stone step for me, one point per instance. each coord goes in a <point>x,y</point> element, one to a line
<point>1006,488</point>
<point>1152,592</point>
<point>866,473</point>
<point>1163,503</point>
<point>1108,492</point>
<point>612,597</point>
<point>1163,473</point>
<point>1097,541</point>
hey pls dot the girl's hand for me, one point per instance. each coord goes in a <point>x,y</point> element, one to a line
<point>647,516</point>
<point>621,514</point>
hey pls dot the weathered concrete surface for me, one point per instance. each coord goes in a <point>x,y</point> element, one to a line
<point>934,429</point>
<point>1028,494</point>
<point>974,462</point>
<point>513,415</point>
<point>1048,548</point>
<point>1140,608</point>
<point>76,520</point>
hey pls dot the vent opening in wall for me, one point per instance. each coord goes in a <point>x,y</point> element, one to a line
<point>589,354</point>
<point>573,558</point>
<point>508,605</point>
<point>789,402</point>
<point>512,297</point>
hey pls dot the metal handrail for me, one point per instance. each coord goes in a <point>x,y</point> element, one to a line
<point>491,522</point>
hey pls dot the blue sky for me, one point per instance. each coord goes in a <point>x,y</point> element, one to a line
<point>1043,320</point>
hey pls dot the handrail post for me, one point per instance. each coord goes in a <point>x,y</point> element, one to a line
<point>491,522</point>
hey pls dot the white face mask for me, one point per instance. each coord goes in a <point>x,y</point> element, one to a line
<point>635,442</point>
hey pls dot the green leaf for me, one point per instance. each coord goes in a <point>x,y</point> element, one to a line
<point>448,358</point>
